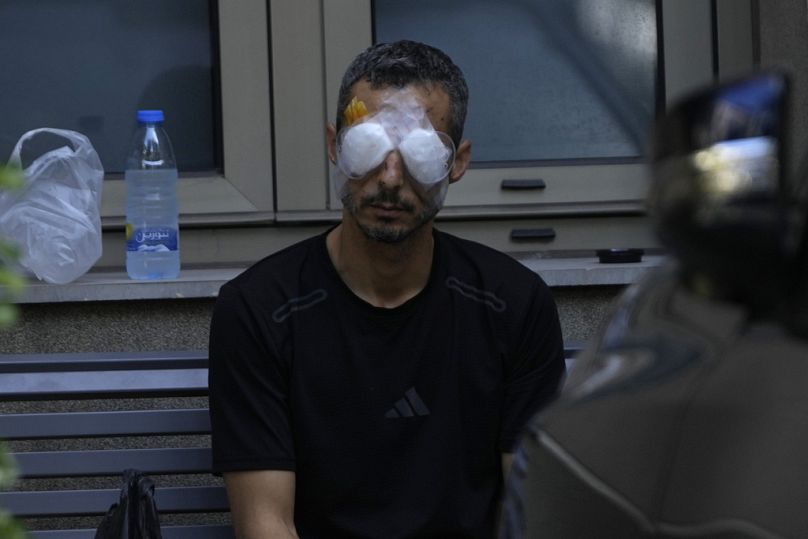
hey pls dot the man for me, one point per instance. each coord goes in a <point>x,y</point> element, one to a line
<point>372,381</point>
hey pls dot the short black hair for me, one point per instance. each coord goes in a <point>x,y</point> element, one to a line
<point>403,63</point>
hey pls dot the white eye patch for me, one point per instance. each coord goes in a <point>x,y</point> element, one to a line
<point>363,148</point>
<point>427,154</point>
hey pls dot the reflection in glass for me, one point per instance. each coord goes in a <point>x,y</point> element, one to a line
<point>89,66</point>
<point>528,101</point>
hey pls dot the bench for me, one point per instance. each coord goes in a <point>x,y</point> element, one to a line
<point>128,380</point>
<point>136,380</point>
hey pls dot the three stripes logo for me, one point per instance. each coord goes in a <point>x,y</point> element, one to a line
<point>411,405</point>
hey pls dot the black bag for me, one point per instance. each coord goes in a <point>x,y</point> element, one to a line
<point>135,514</point>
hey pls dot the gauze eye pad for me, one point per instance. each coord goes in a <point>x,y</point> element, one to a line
<point>363,148</point>
<point>427,155</point>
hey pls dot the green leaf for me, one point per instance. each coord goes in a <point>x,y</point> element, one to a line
<point>9,528</point>
<point>13,283</point>
<point>11,178</point>
<point>9,252</point>
<point>8,315</point>
<point>8,468</point>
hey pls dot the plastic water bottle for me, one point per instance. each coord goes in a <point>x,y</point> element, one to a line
<point>152,228</point>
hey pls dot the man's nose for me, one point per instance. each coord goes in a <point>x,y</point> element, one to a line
<point>392,170</point>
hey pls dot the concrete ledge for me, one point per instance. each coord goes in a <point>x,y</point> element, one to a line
<point>205,283</point>
<point>102,286</point>
<point>558,272</point>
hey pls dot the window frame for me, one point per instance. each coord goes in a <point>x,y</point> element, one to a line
<point>243,192</point>
<point>573,188</point>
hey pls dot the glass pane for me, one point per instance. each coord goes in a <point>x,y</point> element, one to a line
<point>528,101</point>
<point>88,66</point>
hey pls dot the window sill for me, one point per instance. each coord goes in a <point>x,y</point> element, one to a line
<point>113,286</point>
<point>583,271</point>
<point>205,283</point>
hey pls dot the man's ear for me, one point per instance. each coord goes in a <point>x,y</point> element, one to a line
<point>331,139</point>
<point>461,162</point>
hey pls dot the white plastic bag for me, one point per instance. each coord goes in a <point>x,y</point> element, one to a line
<point>56,218</point>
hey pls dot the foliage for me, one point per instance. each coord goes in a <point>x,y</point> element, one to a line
<point>11,286</point>
<point>11,178</point>
<point>9,528</point>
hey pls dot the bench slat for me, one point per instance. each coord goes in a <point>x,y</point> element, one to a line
<point>108,361</point>
<point>89,424</point>
<point>213,531</point>
<point>112,462</point>
<point>65,503</point>
<point>103,384</point>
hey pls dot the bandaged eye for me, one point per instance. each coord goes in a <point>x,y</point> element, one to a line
<point>428,155</point>
<point>362,148</point>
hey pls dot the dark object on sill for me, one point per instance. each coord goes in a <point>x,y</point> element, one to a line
<point>533,234</point>
<point>519,185</point>
<point>620,256</point>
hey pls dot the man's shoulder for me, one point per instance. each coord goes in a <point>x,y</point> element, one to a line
<point>466,255</point>
<point>477,270</point>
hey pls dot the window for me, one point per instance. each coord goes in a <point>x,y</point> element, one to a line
<point>89,66</point>
<point>528,101</point>
<point>581,185</point>
<point>154,56</point>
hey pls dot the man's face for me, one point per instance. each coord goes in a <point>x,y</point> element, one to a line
<point>387,203</point>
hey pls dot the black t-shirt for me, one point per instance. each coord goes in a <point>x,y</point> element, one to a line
<point>393,420</point>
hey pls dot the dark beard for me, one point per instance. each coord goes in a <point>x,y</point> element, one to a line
<point>382,232</point>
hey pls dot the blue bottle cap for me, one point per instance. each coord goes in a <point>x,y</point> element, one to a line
<point>150,116</point>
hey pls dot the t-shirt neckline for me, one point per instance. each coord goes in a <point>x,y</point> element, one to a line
<point>387,312</point>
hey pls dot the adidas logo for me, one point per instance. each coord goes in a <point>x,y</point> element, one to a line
<point>411,405</point>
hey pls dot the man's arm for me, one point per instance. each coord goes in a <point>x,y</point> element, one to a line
<point>262,503</point>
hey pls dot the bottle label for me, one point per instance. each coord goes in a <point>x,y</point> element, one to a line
<point>151,239</point>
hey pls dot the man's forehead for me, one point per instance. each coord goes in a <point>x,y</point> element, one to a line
<point>430,97</point>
